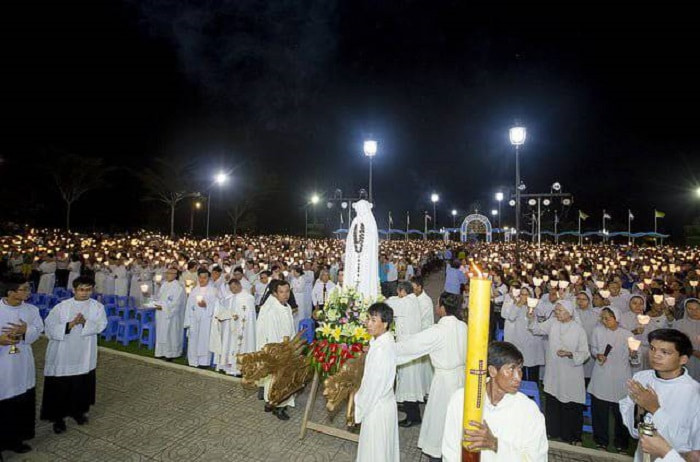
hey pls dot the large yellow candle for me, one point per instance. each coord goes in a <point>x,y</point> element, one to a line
<point>477,351</point>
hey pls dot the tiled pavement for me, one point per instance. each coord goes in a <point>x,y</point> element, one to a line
<point>150,410</point>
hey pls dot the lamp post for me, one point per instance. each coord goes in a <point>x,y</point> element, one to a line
<point>370,148</point>
<point>517,136</point>
<point>499,199</point>
<point>434,198</point>
<point>313,201</point>
<point>454,218</point>
<point>196,205</point>
<point>219,179</point>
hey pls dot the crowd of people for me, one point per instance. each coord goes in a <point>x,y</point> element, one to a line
<point>616,325</point>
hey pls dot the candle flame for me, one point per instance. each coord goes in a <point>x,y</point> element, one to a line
<point>477,271</point>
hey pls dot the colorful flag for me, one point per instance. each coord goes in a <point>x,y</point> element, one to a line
<point>658,214</point>
<point>428,216</point>
<point>582,215</point>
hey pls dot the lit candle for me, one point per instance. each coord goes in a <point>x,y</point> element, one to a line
<point>531,304</point>
<point>633,343</point>
<point>200,298</point>
<point>159,277</point>
<point>144,288</point>
<point>658,299</point>
<point>477,351</point>
<point>604,293</point>
<point>643,319</point>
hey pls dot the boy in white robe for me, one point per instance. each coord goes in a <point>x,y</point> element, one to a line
<point>170,312</point>
<point>198,315</point>
<point>513,427</point>
<point>446,343</point>
<point>233,328</point>
<point>274,323</point>
<point>427,319</point>
<point>21,326</point>
<point>667,394</point>
<point>375,404</point>
<point>70,382</point>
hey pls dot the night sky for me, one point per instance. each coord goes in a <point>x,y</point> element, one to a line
<point>290,89</point>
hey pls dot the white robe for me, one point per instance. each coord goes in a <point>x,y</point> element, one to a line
<point>17,373</point>
<point>361,256</point>
<point>171,296</point>
<point>233,331</point>
<point>446,343</point>
<point>274,323</point>
<point>678,417</point>
<point>515,331</point>
<point>47,280</point>
<point>299,289</point>
<point>516,421</point>
<point>589,319</point>
<point>691,328</point>
<point>198,323</point>
<point>121,281</point>
<point>427,319</point>
<point>375,404</point>
<point>73,353</point>
<point>563,377</point>
<point>609,380</point>
<point>74,273</point>
<point>409,382</point>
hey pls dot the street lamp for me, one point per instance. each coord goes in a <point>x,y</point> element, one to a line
<point>370,148</point>
<point>434,198</point>
<point>312,201</point>
<point>517,136</point>
<point>499,199</point>
<point>195,206</point>
<point>454,218</point>
<point>697,191</point>
<point>219,179</point>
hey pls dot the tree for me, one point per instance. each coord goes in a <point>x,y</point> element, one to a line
<point>169,182</point>
<point>74,176</point>
<point>258,186</point>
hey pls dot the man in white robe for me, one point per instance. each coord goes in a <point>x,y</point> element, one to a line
<point>427,319</point>
<point>198,315</point>
<point>21,326</point>
<point>170,312</point>
<point>70,382</point>
<point>409,384</point>
<point>274,323</point>
<point>121,281</point>
<point>446,343</point>
<point>375,404</point>
<point>233,328</point>
<point>666,395</point>
<point>513,428</point>
<point>47,280</point>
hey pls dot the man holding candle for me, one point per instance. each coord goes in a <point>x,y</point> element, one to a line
<point>170,311</point>
<point>667,394</point>
<point>198,314</point>
<point>513,428</point>
<point>446,343</point>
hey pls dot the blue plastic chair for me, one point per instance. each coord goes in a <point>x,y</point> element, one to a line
<point>310,326</point>
<point>127,331</point>
<point>108,299</point>
<point>587,413</point>
<point>112,328</point>
<point>111,310</point>
<point>499,335</point>
<point>146,315</point>
<point>531,390</point>
<point>39,299</point>
<point>148,328</point>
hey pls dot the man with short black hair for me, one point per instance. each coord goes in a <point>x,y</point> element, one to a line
<point>275,322</point>
<point>666,395</point>
<point>21,326</point>
<point>513,427</point>
<point>446,343</point>
<point>199,310</point>
<point>70,382</point>
<point>375,404</point>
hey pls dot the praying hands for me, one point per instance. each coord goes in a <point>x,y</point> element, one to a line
<point>642,396</point>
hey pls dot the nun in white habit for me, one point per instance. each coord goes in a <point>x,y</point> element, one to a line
<point>690,326</point>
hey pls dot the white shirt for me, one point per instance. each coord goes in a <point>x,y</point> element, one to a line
<point>318,295</point>
<point>515,421</point>
<point>75,352</point>
<point>17,373</point>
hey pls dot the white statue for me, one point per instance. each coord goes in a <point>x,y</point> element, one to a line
<point>362,252</point>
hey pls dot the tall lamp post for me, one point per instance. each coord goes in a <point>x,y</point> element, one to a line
<point>219,179</point>
<point>499,199</point>
<point>313,201</point>
<point>370,148</point>
<point>517,136</point>
<point>196,205</point>
<point>434,198</point>
<point>454,218</point>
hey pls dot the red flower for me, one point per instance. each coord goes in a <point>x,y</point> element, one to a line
<point>326,367</point>
<point>356,347</point>
<point>323,344</point>
<point>334,347</point>
<point>332,360</point>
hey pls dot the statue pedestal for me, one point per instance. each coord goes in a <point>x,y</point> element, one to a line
<point>308,424</point>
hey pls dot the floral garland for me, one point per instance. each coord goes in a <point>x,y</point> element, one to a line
<point>341,333</point>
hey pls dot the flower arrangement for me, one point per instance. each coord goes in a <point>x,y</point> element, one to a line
<point>341,333</point>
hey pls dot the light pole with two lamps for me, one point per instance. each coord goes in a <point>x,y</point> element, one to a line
<point>219,179</point>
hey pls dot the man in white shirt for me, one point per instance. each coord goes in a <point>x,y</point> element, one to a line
<point>70,382</point>
<point>233,328</point>
<point>170,313</point>
<point>21,326</point>
<point>666,395</point>
<point>513,427</point>
<point>322,289</point>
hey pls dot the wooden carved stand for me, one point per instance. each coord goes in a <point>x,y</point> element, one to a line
<point>308,424</point>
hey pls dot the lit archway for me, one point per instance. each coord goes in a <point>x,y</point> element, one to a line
<point>474,225</point>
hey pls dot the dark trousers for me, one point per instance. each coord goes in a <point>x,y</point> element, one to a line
<point>62,277</point>
<point>412,411</point>
<point>68,396</point>
<point>600,411</point>
<point>17,424</point>
<point>563,420</point>
<point>531,374</point>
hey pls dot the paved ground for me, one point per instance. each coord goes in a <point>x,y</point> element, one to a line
<point>150,410</point>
